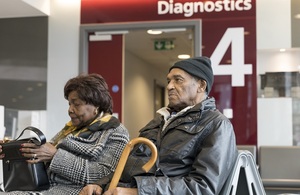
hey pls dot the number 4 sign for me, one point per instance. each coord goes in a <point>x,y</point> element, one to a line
<point>237,69</point>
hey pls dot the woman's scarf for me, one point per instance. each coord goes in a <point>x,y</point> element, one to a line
<point>70,129</point>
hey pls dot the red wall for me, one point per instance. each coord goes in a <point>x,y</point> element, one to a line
<point>215,22</point>
<point>109,66</point>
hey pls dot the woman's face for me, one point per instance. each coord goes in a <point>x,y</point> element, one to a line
<point>81,114</point>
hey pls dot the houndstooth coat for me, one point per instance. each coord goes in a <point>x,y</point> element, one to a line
<point>85,158</point>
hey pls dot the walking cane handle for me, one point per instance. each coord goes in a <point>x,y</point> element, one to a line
<point>124,157</point>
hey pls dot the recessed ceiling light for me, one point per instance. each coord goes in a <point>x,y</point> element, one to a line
<point>154,32</point>
<point>183,56</point>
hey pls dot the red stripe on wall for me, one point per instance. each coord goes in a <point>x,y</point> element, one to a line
<point>105,58</point>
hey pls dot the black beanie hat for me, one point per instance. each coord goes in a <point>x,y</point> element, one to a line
<point>199,67</point>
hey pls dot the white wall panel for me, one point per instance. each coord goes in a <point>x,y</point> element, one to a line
<point>63,50</point>
<point>273,19</point>
<point>275,122</point>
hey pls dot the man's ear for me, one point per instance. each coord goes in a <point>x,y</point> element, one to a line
<point>202,85</point>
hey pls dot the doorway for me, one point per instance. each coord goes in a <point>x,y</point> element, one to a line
<point>144,66</point>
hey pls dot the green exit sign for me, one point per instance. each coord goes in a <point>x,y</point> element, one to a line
<point>163,45</point>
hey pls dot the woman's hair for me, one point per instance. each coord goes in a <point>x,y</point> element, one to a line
<point>92,89</point>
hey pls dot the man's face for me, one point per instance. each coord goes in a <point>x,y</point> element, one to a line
<point>183,89</point>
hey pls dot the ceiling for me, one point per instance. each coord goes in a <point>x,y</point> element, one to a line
<point>19,8</point>
<point>142,45</point>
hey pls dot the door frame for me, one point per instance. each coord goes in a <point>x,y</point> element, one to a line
<point>86,29</point>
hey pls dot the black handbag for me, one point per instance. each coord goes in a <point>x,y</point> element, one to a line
<point>18,175</point>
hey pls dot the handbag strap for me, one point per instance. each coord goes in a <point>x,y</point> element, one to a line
<point>39,133</point>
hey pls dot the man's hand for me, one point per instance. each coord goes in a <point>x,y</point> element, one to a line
<point>91,189</point>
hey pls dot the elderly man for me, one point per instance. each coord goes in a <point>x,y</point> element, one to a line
<point>196,143</point>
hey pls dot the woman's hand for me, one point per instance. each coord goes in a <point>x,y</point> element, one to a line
<point>91,189</point>
<point>36,153</point>
<point>122,191</point>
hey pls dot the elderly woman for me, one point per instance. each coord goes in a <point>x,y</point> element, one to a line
<point>90,144</point>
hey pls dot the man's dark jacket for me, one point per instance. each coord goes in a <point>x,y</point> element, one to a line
<point>197,150</point>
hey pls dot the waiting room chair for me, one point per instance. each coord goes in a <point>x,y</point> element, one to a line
<point>244,178</point>
<point>250,148</point>
<point>279,167</point>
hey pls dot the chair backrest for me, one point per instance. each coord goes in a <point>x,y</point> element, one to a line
<point>279,162</point>
<point>280,169</point>
<point>244,178</point>
<point>251,148</point>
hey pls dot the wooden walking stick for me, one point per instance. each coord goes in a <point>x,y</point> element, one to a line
<point>124,157</point>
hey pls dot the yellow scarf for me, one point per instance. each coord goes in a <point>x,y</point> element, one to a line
<point>70,129</point>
